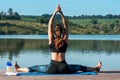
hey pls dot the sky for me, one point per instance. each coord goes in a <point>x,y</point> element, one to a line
<point>69,7</point>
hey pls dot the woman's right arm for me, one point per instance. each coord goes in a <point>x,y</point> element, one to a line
<point>65,35</point>
<point>50,24</point>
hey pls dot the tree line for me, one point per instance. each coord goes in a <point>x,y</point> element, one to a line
<point>10,15</point>
<point>16,16</point>
<point>92,26</point>
<point>107,16</point>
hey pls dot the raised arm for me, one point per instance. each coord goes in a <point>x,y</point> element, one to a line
<point>50,24</point>
<point>65,35</point>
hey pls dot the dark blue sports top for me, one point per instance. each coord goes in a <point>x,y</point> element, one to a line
<point>61,49</point>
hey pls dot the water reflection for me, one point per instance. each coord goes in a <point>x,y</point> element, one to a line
<point>13,47</point>
<point>10,47</point>
<point>84,46</point>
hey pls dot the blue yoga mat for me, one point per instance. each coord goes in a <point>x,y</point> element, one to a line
<point>44,74</point>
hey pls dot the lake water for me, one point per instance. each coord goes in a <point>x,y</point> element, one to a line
<point>87,50</point>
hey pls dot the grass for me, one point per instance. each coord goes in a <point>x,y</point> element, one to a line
<point>80,21</point>
<point>22,27</point>
<point>28,19</point>
<point>30,26</point>
<point>87,21</point>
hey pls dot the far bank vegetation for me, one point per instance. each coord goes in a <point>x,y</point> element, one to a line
<point>13,23</point>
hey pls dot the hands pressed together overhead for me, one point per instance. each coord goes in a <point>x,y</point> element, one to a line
<point>58,9</point>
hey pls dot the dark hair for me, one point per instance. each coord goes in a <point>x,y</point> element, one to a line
<point>58,29</point>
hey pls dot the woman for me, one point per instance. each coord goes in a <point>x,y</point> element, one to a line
<point>58,43</point>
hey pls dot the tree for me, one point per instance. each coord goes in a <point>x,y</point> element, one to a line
<point>94,21</point>
<point>116,21</point>
<point>42,20</point>
<point>16,16</point>
<point>10,11</point>
<point>46,16</point>
<point>1,15</point>
<point>109,16</point>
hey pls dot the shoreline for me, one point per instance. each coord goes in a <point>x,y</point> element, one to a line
<point>103,75</point>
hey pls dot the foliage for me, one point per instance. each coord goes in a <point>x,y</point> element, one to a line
<point>103,26</point>
<point>11,15</point>
<point>42,20</point>
<point>110,16</point>
<point>94,21</point>
<point>21,27</point>
<point>29,27</point>
<point>82,24</point>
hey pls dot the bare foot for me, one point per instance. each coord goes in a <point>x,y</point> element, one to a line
<point>98,66</point>
<point>16,65</point>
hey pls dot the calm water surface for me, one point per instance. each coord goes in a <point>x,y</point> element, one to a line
<point>87,50</point>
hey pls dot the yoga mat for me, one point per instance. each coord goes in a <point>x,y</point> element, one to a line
<point>44,74</point>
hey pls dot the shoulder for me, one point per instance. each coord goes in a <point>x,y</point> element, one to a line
<point>65,41</point>
<point>51,44</point>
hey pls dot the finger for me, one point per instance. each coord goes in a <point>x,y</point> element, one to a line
<point>59,5</point>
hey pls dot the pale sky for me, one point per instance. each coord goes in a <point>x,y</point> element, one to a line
<point>69,7</point>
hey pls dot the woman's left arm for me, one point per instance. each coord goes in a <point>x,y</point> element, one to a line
<point>50,24</point>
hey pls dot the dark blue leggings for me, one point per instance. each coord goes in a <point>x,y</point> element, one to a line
<point>56,67</point>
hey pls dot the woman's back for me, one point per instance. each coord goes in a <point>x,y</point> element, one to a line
<point>61,48</point>
<point>59,53</point>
